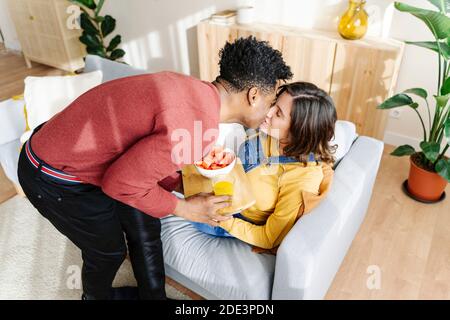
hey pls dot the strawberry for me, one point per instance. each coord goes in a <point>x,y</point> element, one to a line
<point>216,159</point>
<point>219,156</point>
<point>208,160</point>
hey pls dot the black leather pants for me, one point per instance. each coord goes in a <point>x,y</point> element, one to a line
<point>143,234</point>
<point>96,224</point>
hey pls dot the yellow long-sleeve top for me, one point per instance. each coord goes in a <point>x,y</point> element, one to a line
<point>279,190</point>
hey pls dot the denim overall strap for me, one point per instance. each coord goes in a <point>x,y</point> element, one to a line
<point>281,159</point>
<point>284,159</point>
<point>251,153</point>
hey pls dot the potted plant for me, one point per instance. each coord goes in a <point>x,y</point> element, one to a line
<point>96,28</point>
<point>429,167</point>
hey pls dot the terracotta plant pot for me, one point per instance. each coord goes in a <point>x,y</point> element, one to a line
<point>425,185</point>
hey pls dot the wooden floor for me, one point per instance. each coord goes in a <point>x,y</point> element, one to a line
<point>408,241</point>
<point>13,71</point>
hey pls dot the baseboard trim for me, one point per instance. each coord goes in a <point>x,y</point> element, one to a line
<point>12,45</point>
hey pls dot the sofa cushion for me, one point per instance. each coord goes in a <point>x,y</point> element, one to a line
<point>231,135</point>
<point>344,136</point>
<point>111,69</point>
<point>225,268</point>
<point>46,96</point>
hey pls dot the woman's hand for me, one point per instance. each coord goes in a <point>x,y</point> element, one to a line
<point>203,208</point>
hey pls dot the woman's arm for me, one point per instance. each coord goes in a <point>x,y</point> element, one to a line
<point>283,218</point>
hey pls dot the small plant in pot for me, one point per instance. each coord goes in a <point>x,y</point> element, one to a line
<point>430,168</point>
<point>96,28</point>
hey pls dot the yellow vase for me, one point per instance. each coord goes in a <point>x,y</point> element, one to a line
<point>353,24</point>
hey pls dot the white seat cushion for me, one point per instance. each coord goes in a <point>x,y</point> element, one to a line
<point>223,268</point>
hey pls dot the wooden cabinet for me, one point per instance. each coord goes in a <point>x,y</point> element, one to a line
<point>43,33</point>
<point>358,75</point>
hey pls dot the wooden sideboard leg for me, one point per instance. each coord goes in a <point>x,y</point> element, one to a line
<point>28,62</point>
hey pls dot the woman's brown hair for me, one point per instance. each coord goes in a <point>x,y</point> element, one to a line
<point>313,118</point>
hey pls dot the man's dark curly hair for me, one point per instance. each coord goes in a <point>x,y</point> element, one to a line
<point>248,63</point>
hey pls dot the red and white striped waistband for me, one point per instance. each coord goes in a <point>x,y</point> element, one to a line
<point>52,172</point>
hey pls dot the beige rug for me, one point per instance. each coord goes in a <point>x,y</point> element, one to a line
<point>37,262</point>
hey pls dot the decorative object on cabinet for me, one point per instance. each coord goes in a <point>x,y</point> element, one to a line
<point>354,22</point>
<point>245,15</point>
<point>225,18</point>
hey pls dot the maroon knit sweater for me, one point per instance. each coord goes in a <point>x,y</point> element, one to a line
<point>120,136</point>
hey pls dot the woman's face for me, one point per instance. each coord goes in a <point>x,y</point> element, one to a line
<point>278,119</point>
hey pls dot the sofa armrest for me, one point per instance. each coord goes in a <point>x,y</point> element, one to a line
<point>310,255</point>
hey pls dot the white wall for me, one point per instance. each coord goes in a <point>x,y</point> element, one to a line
<point>7,27</point>
<point>161,34</point>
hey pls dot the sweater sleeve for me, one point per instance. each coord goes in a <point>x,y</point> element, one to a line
<point>280,222</point>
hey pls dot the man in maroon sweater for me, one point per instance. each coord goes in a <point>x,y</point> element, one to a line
<point>106,164</point>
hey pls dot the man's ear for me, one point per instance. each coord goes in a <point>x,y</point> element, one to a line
<point>252,94</point>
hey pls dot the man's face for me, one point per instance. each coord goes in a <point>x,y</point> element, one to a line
<point>258,112</point>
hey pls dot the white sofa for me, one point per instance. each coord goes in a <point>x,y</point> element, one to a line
<point>310,255</point>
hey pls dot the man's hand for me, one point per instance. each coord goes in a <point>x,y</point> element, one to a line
<point>203,208</point>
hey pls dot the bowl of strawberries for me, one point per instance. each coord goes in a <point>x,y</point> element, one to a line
<point>219,161</point>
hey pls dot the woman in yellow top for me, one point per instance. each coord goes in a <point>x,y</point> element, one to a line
<point>284,162</point>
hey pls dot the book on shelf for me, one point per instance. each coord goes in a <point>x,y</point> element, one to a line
<point>226,17</point>
<point>224,14</point>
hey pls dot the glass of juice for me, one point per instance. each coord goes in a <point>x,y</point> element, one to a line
<point>223,185</point>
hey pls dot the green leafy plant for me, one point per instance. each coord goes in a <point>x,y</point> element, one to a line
<point>96,28</point>
<point>432,155</point>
